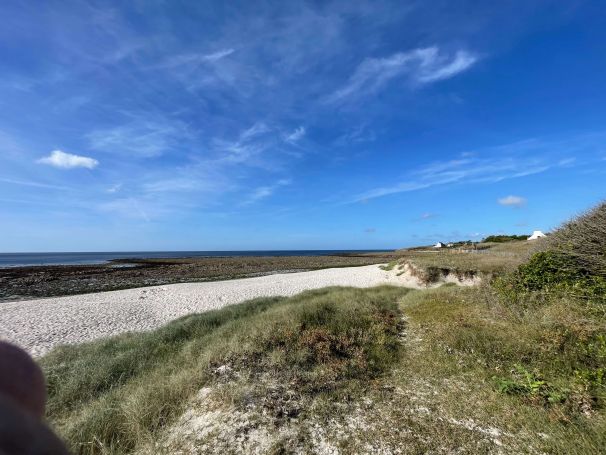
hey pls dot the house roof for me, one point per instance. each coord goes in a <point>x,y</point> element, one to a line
<point>536,235</point>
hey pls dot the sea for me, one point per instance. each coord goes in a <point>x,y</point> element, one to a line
<point>91,258</point>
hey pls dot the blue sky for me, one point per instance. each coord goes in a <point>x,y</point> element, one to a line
<point>192,125</point>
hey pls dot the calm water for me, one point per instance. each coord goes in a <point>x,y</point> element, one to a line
<point>21,259</point>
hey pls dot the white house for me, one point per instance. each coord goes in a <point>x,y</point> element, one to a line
<point>536,235</point>
<point>439,245</point>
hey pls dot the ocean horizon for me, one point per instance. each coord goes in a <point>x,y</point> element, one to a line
<point>96,258</point>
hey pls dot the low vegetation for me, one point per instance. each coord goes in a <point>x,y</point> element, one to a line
<point>114,396</point>
<point>389,266</point>
<point>583,241</point>
<point>503,238</point>
<point>490,259</point>
<point>515,365</point>
<point>537,372</point>
<point>571,263</point>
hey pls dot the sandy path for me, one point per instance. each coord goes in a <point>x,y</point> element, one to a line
<point>39,325</point>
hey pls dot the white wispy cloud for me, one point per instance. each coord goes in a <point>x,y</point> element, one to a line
<point>296,135</point>
<point>260,145</point>
<point>435,67</point>
<point>248,147</point>
<point>218,55</point>
<point>188,181</point>
<point>567,161</point>
<point>467,169</point>
<point>512,201</point>
<point>427,216</point>
<point>64,160</point>
<point>356,135</point>
<point>421,66</point>
<point>126,207</point>
<point>32,184</point>
<point>143,138</point>
<point>258,129</point>
<point>195,58</point>
<point>260,193</point>
<point>265,191</point>
<point>115,188</point>
<point>179,184</point>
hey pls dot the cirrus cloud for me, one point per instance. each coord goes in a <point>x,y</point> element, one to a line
<point>296,135</point>
<point>63,160</point>
<point>421,66</point>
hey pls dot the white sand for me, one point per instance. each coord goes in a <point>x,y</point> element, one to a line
<point>39,325</point>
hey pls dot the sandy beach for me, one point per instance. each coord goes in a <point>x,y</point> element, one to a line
<point>41,324</point>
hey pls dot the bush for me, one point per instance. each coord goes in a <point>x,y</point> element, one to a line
<point>569,268</point>
<point>555,271</point>
<point>592,375</point>
<point>331,337</point>
<point>571,262</point>
<point>531,385</point>
<point>583,241</point>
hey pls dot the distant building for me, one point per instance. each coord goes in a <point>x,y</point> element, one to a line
<point>439,245</point>
<point>536,235</point>
<point>450,245</point>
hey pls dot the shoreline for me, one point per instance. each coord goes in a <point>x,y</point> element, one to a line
<point>41,324</point>
<point>32,282</point>
<point>115,257</point>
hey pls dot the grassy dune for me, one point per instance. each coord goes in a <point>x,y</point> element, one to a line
<point>516,365</point>
<point>116,395</point>
<point>489,259</point>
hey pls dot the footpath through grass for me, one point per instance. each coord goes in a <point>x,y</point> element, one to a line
<point>526,379</point>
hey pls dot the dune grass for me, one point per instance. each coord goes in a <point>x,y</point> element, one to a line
<point>114,396</point>
<point>445,394</point>
<point>493,259</point>
<point>389,266</point>
<point>521,372</point>
<point>332,366</point>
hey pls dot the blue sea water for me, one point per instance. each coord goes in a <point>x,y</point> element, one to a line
<point>29,259</point>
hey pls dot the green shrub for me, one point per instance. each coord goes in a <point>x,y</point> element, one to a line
<point>572,261</point>
<point>547,270</point>
<point>592,375</point>
<point>531,385</point>
<point>389,266</point>
<point>552,272</point>
<point>329,339</point>
<point>503,238</point>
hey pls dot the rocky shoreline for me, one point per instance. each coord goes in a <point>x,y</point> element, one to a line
<point>21,283</point>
